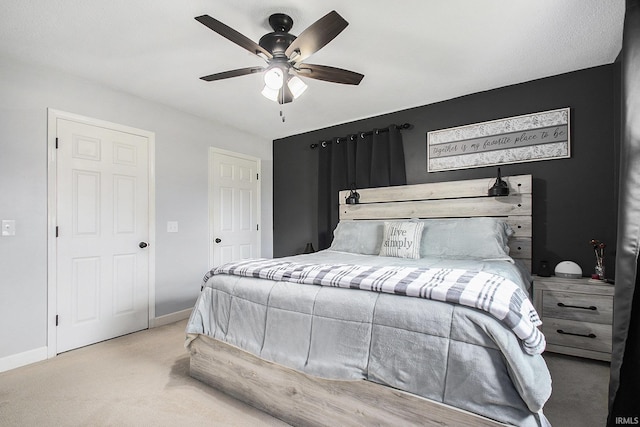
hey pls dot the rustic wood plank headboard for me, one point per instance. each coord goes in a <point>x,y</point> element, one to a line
<point>453,199</point>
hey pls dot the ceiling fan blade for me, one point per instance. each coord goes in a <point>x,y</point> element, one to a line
<point>316,36</point>
<point>232,73</point>
<point>330,74</point>
<point>232,35</point>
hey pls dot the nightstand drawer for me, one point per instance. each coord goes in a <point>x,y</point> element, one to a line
<point>583,335</point>
<point>581,310</point>
<point>577,306</point>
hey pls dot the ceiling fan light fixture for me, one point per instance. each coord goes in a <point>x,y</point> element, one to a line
<point>274,78</point>
<point>296,86</point>
<point>285,53</point>
<point>269,93</point>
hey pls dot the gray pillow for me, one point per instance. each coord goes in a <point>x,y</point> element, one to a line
<point>358,237</point>
<point>481,238</point>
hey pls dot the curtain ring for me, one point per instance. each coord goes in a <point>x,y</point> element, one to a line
<point>377,131</point>
<point>352,137</point>
<point>324,144</point>
<point>362,135</point>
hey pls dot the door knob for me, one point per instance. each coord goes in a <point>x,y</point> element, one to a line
<point>218,240</point>
<point>143,245</point>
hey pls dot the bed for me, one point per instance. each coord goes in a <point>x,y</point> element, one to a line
<point>418,314</point>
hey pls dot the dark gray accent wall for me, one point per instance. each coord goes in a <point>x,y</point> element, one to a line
<point>575,199</point>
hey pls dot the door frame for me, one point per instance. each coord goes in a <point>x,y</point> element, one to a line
<point>52,218</point>
<point>212,152</point>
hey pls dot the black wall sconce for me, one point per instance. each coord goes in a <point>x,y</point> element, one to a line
<point>499,188</point>
<point>353,197</point>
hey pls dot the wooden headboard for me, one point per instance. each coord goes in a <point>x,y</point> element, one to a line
<point>453,199</point>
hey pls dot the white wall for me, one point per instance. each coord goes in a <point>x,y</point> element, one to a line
<point>182,143</point>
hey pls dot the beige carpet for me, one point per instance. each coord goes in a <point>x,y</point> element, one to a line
<point>142,379</point>
<point>580,391</point>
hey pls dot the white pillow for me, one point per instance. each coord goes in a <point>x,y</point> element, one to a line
<point>401,239</point>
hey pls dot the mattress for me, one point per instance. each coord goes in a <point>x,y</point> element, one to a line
<point>450,353</point>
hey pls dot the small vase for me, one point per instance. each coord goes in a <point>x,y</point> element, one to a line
<point>600,271</point>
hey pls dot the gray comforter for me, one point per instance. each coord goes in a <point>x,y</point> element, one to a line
<point>445,352</point>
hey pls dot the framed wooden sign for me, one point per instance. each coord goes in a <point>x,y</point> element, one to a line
<point>527,138</point>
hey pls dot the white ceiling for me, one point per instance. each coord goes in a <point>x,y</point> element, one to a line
<point>412,52</point>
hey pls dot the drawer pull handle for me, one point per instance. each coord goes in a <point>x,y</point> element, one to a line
<point>591,307</point>
<point>591,335</point>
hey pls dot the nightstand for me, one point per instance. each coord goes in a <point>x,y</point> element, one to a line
<point>576,315</point>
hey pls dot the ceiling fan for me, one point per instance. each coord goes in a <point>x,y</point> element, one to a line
<point>285,53</point>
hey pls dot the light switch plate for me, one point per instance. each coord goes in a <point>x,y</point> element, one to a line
<point>172,226</point>
<point>8,227</point>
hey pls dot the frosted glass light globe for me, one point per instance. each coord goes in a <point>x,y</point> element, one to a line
<point>273,78</point>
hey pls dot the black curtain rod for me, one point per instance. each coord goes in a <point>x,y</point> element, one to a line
<point>361,134</point>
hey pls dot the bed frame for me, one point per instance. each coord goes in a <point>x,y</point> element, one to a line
<point>304,400</point>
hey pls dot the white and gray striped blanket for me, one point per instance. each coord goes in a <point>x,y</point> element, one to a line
<point>496,295</point>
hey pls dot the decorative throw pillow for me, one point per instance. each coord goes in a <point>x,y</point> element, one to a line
<point>401,239</point>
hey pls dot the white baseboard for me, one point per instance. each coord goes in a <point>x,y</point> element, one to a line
<point>36,355</point>
<point>21,359</point>
<point>170,318</point>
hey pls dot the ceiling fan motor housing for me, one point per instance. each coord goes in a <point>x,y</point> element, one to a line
<point>279,40</point>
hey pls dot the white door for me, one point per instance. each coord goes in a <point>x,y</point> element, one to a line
<point>234,207</point>
<point>103,226</point>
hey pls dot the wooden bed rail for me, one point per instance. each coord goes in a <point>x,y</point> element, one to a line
<point>304,400</point>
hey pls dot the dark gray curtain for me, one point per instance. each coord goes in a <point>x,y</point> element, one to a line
<point>371,159</point>
<point>624,386</point>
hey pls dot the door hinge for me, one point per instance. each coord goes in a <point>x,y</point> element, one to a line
<point>257,176</point>
<point>57,231</point>
<point>57,320</point>
<point>56,143</point>
<point>257,227</point>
